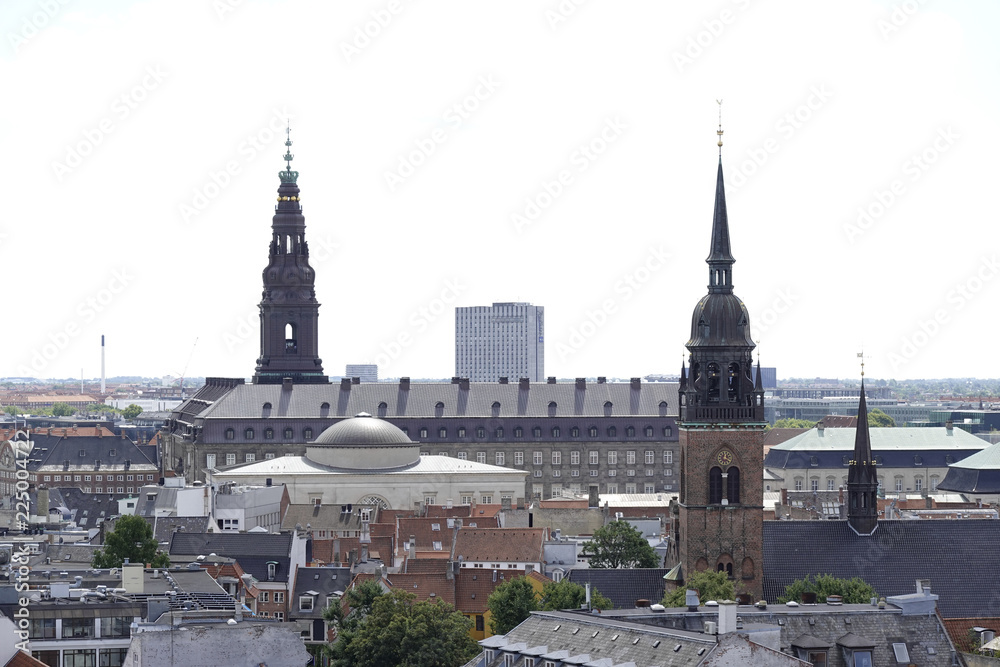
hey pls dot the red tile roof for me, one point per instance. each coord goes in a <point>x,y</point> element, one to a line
<point>512,545</point>
<point>425,586</point>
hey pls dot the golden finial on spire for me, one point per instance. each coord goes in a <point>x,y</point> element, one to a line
<point>861,356</point>
<point>720,127</point>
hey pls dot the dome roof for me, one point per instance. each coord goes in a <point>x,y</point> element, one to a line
<point>363,429</point>
<point>720,319</point>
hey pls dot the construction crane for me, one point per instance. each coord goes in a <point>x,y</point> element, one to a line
<point>184,372</point>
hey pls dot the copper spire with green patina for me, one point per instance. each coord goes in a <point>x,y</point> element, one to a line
<point>288,176</point>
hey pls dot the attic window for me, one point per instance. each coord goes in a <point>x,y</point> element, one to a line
<point>267,406</point>
<point>83,453</point>
<point>902,654</point>
<point>324,406</point>
<point>614,637</point>
<point>559,626</point>
<point>635,641</point>
<point>435,526</point>
<point>437,546</point>
<point>113,452</point>
<point>575,630</point>
<point>677,648</point>
<point>656,643</point>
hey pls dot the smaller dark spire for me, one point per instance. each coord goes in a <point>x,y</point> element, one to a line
<point>684,379</point>
<point>759,384</point>
<point>862,478</point>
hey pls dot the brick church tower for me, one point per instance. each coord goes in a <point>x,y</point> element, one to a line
<point>721,429</point>
<point>289,312</point>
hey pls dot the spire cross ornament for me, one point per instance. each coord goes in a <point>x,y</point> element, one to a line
<point>719,132</point>
<point>288,143</point>
<point>862,357</point>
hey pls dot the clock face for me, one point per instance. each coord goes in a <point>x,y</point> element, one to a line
<point>725,457</point>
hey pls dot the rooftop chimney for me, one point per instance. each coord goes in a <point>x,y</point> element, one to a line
<point>345,383</point>
<point>727,616</point>
<point>581,383</point>
<point>635,382</point>
<point>820,427</point>
<point>286,384</point>
<point>463,383</point>
<point>355,380</point>
<point>504,379</point>
<point>602,379</point>
<point>949,427</point>
<point>404,383</point>
<point>550,379</point>
<point>523,383</point>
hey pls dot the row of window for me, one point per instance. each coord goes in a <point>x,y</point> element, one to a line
<point>612,432</point>
<point>111,489</point>
<point>536,432</point>
<point>79,628</point>
<point>265,596</point>
<point>556,490</point>
<point>610,473</point>
<point>898,483</point>
<point>556,457</point>
<point>96,478</point>
<point>212,459</point>
<point>250,434</point>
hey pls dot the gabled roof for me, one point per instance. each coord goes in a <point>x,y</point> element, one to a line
<point>320,582</point>
<point>426,586</point>
<point>511,545</point>
<point>623,587</point>
<point>952,554</point>
<point>82,452</point>
<point>429,533</point>
<point>474,585</point>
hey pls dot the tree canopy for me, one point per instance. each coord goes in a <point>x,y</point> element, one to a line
<point>854,590</point>
<point>565,594</point>
<point>132,538</point>
<point>399,630</point>
<point>132,411</point>
<point>879,419</point>
<point>61,409</point>
<point>510,603</point>
<point>789,422</point>
<point>710,586</point>
<point>619,545</point>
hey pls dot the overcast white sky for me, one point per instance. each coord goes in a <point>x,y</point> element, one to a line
<point>121,118</point>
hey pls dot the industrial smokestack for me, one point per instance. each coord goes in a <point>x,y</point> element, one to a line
<point>102,367</point>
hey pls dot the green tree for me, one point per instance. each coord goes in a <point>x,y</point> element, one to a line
<point>710,586</point>
<point>619,545</point>
<point>565,594</point>
<point>132,538</point>
<point>853,590</point>
<point>101,407</point>
<point>510,603</point>
<point>132,411</point>
<point>10,409</point>
<point>788,422</point>
<point>61,410</point>
<point>878,419</point>
<point>399,630</point>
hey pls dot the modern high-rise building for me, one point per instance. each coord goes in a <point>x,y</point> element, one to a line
<point>366,372</point>
<point>502,340</point>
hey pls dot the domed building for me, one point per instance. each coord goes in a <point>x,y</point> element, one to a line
<point>366,460</point>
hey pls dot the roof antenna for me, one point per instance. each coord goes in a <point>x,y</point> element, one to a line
<point>720,128</point>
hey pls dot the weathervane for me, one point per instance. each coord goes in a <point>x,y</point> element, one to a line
<point>720,127</point>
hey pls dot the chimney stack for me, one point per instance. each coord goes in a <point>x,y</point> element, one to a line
<point>949,426</point>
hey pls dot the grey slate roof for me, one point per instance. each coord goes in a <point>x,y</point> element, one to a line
<point>623,587</point>
<point>421,399</point>
<point>605,638</point>
<point>83,451</point>
<point>166,526</point>
<point>253,551</point>
<point>321,581</point>
<point>957,556</point>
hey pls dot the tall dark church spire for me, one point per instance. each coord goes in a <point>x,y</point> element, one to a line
<point>721,428</point>
<point>289,312</point>
<point>862,478</point>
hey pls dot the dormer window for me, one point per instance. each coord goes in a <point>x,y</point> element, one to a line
<point>272,568</point>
